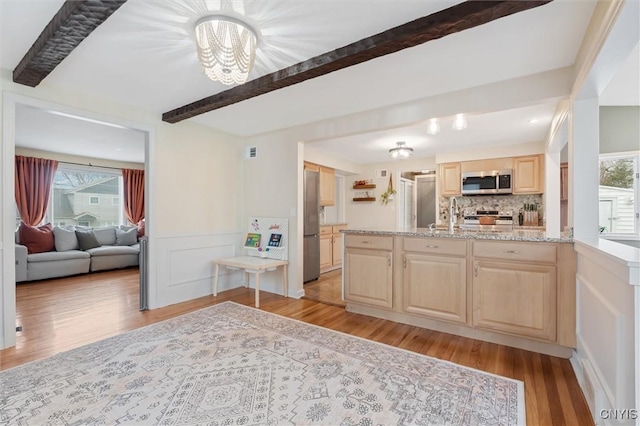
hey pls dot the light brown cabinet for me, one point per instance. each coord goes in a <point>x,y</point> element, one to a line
<point>330,247</point>
<point>450,179</point>
<point>517,298</point>
<point>327,186</point>
<point>368,273</point>
<point>528,175</point>
<point>434,279</point>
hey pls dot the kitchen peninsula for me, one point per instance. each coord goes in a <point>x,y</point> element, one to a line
<point>515,288</point>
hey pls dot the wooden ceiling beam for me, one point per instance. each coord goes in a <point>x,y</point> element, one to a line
<point>437,25</point>
<point>75,20</point>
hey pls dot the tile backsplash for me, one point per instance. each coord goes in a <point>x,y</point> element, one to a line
<point>502,203</point>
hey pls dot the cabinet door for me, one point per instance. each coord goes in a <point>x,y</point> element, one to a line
<point>337,249</point>
<point>435,286</point>
<point>326,254</point>
<point>515,298</point>
<point>527,177</point>
<point>368,277</point>
<point>327,186</point>
<point>450,179</point>
<point>564,181</point>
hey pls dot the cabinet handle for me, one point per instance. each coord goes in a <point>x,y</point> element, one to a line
<point>404,261</point>
<point>366,242</point>
<point>511,251</point>
<point>475,269</point>
<point>389,259</point>
<point>431,246</point>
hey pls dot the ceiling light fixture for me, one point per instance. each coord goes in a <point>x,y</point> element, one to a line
<point>460,122</point>
<point>533,121</point>
<point>434,127</point>
<point>401,151</point>
<point>226,48</point>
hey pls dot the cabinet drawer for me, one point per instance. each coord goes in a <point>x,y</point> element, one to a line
<point>435,246</point>
<point>325,230</point>
<point>503,250</point>
<point>338,228</point>
<point>369,241</point>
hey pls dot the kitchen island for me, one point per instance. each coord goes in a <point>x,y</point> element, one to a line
<point>515,288</point>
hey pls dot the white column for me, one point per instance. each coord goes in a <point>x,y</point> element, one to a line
<point>584,176</point>
<point>552,193</point>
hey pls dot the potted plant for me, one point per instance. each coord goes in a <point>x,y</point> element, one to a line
<point>387,196</point>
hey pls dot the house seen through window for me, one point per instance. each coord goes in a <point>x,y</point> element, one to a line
<point>618,194</point>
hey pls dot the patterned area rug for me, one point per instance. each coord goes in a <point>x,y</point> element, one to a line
<point>235,365</point>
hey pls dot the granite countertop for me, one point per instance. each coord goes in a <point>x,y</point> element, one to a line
<point>333,223</point>
<point>515,235</point>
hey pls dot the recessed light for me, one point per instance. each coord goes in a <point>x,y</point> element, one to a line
<point>533,121</point>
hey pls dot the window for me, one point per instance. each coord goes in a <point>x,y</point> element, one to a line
<point>618,195</point>
<point>76,195</point>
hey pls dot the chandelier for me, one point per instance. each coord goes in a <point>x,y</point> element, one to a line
<point>226,48</point>
<point>401,151</point>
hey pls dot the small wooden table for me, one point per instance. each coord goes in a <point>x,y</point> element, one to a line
<point>254,265</point>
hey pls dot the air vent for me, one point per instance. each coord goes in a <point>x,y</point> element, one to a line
<point>251,152</point>
<point>381,173</point>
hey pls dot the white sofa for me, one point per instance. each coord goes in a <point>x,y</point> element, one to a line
<point>117,249</point>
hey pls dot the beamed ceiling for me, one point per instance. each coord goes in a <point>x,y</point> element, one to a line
<point>320,63</point>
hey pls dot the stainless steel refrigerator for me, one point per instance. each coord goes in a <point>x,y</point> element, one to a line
<point>311,261</point>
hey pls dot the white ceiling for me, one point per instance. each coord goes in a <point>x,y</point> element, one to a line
<point>144,56</point>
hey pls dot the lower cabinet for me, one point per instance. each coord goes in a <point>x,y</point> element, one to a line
<point>435,286</point>
<point>368,272</point>
<point>517,298</point>
<point>330,247</point>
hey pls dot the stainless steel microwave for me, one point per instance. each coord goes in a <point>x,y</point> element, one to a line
<point>487,182</point>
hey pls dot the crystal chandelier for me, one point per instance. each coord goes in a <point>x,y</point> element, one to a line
<point>226,48</point>
<point>401,151</point>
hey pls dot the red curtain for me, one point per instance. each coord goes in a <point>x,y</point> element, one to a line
<point>133,194</point>
<point>34,178</point>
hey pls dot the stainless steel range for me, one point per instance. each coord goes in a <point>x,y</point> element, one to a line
<point>488,220</point>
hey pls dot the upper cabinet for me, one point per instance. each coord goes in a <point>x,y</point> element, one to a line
<point>327,186</point>
<point>528,176</point>
<point>450,179</point>
<point>327,183</point>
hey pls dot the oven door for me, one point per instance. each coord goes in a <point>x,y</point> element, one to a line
<point>473,183</point>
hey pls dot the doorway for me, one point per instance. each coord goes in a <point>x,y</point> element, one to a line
<point>11,105</point>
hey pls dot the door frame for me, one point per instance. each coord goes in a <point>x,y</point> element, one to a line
<point>8,282</point>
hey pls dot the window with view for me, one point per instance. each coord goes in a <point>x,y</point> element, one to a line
<point>76,194</point>
<point>618,195</point>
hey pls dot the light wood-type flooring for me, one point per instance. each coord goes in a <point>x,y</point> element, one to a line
<point>65,313</point>
<point>326,289</point>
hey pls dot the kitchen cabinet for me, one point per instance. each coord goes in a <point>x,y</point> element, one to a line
<point>368,273</point>
<point>327,183</point>
<point>528,175</point>
<point>330,247</point>
<point>434,278</point>
<point>327,186</point>
<point>450,179</point>
<point>514,291</point>
<point>564,181</point>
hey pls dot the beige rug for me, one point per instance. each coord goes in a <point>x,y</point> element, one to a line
<point>234,365</point>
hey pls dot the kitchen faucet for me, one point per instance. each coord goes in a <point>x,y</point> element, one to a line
<point>453,213</point>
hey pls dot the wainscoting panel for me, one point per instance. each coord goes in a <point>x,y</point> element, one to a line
<point>605,349</point>
<point>185,267</point>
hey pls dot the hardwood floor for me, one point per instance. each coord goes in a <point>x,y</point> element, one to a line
<point>62,314</point>
<point>326,289</point>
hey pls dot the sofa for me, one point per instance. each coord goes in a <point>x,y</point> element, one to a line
<point>50,252</point>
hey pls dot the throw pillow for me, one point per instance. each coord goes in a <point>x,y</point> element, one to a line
<point>65,239</point>
<point>106,235</point>
<point>37,239</point>
<point>140,228</point>
<point>126,238</point>
<point>87,240</point>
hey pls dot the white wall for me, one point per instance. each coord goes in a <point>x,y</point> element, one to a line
<point>193,210</point>
<point>365,214</point>
<point>489,152</point>
<point>619,129</point>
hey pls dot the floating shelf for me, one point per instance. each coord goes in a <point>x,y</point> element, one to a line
<point>365,199</point>
<point>367,186</point>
